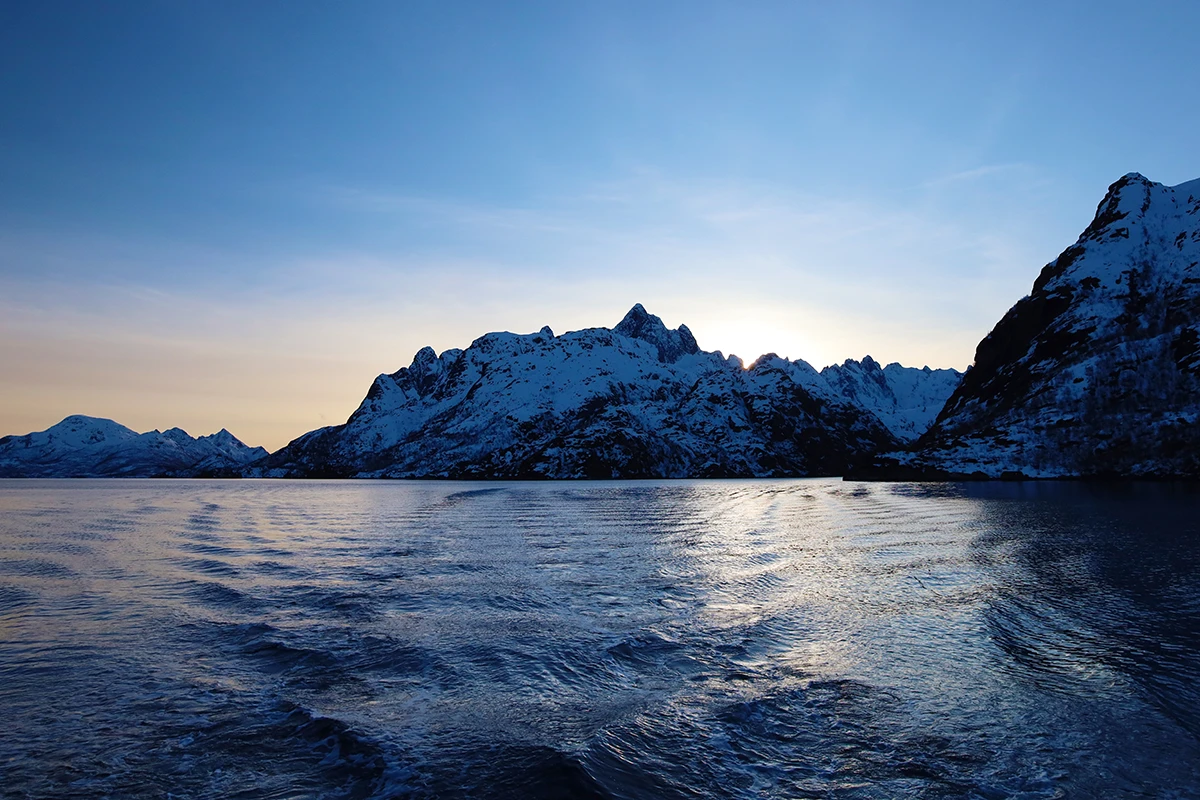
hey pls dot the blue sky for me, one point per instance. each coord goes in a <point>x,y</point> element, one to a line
<point>236,214</point>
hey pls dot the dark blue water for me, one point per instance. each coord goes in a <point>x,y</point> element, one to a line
<point>680,640</point>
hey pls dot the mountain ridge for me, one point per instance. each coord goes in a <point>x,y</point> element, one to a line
<point>1096,372</point>
<point>636,400</point>
<point>89,447</point>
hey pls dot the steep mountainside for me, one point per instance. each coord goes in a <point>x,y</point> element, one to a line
<point>905,399</point>
<point>1097,370</point>
<point>88,447</point>
<point>635,401</point>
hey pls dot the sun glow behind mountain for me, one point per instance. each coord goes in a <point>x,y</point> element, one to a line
<point>749,337</point>
<point>217,216</point>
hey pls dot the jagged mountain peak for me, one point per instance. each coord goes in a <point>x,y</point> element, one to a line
<point>1129,194</point>
<point>1097,369</point>
<point>905,399</point>
<point>635,400</point>
<point>424,357</point>
<point>635,318</point>
<point>672,345</point>
<point>223,438</point>
<point>871,365</point>
<point>1141,243</point>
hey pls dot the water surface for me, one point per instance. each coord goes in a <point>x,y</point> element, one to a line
<point>276,639</point>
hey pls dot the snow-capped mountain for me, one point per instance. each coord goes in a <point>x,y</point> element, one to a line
<point>89,447</point>
<point>639,400</point>
<point>905,399</point>
<point>1097,370</point>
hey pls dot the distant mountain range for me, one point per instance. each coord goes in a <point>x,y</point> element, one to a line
<point>89,447</point>
<point>1095,373</point>
<point>638,400</point>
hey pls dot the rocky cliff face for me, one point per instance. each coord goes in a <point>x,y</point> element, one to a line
<point>1097,370</point>
<point>638,400</point>
<point>89,447</point>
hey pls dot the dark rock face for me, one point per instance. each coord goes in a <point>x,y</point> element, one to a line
<point>89,447</point>
<point>639,400</point>
<point>671,345</point>
<point>1095,372</point>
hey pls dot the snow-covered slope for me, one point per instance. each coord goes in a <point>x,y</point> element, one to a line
<point>82,446</point>
<point>905,399</point>
<point>1097,370</point>
<point>635,401</point>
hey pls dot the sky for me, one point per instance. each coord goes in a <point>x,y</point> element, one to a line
<point>229,214</point>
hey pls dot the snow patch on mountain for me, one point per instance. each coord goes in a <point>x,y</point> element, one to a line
<point>1097,370</point>
<point>639,400</point>
<point>82,446</point>
<point>905,399</point>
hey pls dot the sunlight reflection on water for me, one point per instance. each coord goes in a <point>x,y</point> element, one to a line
<point>630,639</point>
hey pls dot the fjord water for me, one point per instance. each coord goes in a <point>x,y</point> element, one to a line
<point>806,638</point>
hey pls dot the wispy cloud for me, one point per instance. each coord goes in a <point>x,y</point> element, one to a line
<point>985,171</point>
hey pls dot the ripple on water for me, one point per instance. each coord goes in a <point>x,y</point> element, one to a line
<point>207,566</point>
<point>13,598</point>
<point>222,598</point>
<point>354,605</point>
<point>68,548</point>
<point>236,746</point>
<point>731,639</point>
<point>35,568</point>
<point>204,548</point>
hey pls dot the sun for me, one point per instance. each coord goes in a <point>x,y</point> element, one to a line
<point>749,337</point>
